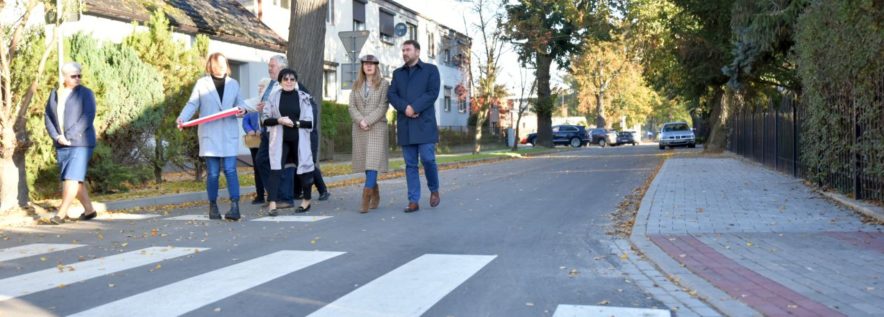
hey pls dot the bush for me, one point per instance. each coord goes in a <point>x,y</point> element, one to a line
<point>841,76</point>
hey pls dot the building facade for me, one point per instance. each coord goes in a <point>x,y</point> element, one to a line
<point>440,45</point>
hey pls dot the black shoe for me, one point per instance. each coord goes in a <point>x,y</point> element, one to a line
<point>302,209</point>
<point>324,196</point>
<point>258,201</point>
<point>214,214</point>
<point>272,213</point>
<point>86,217</point>
<point>233,213</point>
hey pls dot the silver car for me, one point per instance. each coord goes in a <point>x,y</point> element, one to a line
<point>677,134</point>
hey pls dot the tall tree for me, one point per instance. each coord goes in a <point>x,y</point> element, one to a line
<point>306,47</point>
<point>489,27</point>
<point>547,30</point>
<point>689,60</point>
<point>179,68</point>
<point>523,103</point>
<point>23,59</point>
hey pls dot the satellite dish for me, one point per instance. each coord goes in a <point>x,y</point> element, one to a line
<point>400,30</point>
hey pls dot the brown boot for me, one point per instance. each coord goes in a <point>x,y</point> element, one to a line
<point>375,197</point>
<point>367,193</point>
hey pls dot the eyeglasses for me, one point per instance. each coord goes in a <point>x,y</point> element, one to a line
<point>289,79</point>
<point>76,76</point>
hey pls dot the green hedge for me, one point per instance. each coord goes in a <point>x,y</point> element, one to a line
<point>840,57</point>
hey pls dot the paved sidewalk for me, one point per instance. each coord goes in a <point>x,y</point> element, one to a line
<point>752,241</point>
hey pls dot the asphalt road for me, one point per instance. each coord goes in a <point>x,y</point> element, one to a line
<point>515,238</point>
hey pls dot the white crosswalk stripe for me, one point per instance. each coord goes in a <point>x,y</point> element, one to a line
<point>594,311</point>
<point>33,249</point>
<point>63,275</point>
<point>210,287</point>
<point>409,290</point>
<point>264,219</point>
<point>189,218</point>
<point>293,218</point>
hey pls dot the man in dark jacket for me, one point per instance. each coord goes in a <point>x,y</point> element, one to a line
<point>413,94</point>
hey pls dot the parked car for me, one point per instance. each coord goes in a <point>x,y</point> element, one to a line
<point>626,137</point>
<point>602,136</point>
<point>677,134</point>
<point>573,135</point>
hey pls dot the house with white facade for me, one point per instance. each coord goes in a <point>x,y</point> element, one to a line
<point>389,24</point>
<point>232,29</point>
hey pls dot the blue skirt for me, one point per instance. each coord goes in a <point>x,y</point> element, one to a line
<point>73,161</point>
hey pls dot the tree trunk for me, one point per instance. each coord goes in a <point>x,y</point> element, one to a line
<point>480,117</point>
<point>158,158</point>
<point>306,47</point>
<point>13,181</point>
<point>544,101</point>
<point>717,140</point>
<point>600,120</point>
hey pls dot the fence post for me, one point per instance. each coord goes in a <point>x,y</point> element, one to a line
<point>777,137</point>
<point>795,139</point>
<point>857,156</point>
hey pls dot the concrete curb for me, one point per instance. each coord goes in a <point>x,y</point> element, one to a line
<point>715,297</point>
<point>201,195</point>
<point>864,208</point>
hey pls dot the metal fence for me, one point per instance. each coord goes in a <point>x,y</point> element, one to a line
<point>773,136</point>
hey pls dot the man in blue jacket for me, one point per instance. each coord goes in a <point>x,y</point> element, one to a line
<point>413,94</point>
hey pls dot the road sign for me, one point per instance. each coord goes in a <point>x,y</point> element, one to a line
<point>353,42</point>
<point>401,29</point>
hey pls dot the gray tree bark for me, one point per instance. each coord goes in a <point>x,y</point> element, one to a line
<point>306,47</point>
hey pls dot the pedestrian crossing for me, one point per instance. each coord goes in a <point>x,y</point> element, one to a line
<point>212,286</point>
<point>24,251</point>
<point>63,275</point>
<point>410,289</point>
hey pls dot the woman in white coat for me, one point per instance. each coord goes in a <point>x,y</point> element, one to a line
<point>288,116</point>
<point>219,140</point>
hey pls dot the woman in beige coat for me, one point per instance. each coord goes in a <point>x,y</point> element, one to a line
<point>368,110</point>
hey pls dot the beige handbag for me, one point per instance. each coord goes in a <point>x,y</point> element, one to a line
<point>252,141</point>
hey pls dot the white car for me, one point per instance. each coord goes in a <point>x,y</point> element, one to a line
<point>677,134</point>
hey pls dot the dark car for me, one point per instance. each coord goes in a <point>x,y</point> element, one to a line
<point>626,137</point>
<point>573,135</point>
<point>602,136</point>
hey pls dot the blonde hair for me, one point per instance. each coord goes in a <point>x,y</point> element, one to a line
<point>212,62</point>
<point>375,79</point>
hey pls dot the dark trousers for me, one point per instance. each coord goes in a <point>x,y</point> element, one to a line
<point>262,159</point>
<point>289,155</point>
<point>259,184</point>
<point>317,180</point>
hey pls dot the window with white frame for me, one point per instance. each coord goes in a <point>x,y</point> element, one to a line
<point>462,106</point>
<point>446,103</point>
<point>386,25</point>
<point>330,84</point>
<point>412,31</point>
<point>358,15</point>
<point>431,45</point>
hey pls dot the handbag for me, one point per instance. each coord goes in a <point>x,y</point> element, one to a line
<point>252,141</point>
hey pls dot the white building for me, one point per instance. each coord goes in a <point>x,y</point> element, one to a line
<point>440,45</point>
<point>233,30</point>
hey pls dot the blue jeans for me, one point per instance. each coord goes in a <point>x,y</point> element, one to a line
<point>213,164</point>
<point>427,154</point>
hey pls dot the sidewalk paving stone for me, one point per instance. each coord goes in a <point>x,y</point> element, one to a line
<point>762,238</point>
